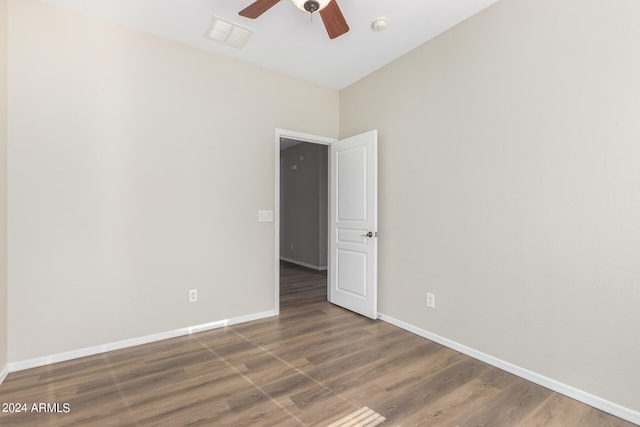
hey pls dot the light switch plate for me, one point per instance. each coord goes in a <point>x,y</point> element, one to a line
<point>265,216</point>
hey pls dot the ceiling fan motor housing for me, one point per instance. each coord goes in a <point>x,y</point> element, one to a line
<point>311,6</point>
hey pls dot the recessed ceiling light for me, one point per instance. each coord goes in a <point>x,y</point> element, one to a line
<point>230,33</point>
<point>380,24</point>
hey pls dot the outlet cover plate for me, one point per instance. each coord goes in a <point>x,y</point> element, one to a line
<point>431,300</point>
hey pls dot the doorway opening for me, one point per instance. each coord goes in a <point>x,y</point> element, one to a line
<point>303,222</point>
<point>353,219</point>
<point>301,210</point>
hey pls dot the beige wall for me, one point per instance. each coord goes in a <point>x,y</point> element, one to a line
<point>509,187</point>
<point>137,168</point>
<point>3,184</point>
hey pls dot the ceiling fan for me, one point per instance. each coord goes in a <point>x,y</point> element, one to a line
<point>329,10</point>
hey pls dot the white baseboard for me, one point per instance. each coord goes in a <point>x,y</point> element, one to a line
<point>4,373</point>
<point>567,390</point>
<point>304,264</point>
<point>91,351</point>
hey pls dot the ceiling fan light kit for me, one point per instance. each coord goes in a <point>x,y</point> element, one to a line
<point>311,6</point>
<point>332,17</point>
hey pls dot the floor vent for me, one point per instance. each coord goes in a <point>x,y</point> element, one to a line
<point>363,417</point>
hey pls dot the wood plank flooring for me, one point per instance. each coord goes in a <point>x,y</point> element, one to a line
<point>314,365</point>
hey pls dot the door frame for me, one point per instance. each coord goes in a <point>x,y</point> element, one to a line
<point>304,137</point>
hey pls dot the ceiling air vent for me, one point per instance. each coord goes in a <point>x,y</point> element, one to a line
<point>228,32</point>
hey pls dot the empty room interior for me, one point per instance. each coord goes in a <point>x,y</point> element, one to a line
<point>171,210</point>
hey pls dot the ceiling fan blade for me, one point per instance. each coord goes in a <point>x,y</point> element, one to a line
<point>334,20</point>
<point>257,8</point>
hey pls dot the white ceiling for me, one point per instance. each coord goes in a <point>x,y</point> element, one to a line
<point>285,39</point>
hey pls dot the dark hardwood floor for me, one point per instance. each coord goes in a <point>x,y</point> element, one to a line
<point>314,365</point>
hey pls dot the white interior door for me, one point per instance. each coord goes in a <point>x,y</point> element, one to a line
<point>353,223</point>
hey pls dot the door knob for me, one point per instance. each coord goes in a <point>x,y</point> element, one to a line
<point>369,234</point>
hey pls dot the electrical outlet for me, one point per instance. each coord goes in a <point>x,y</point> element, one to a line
<point>431,300</point>
<point>193,295</point>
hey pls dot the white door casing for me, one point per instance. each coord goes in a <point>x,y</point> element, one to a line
<point>353,223</point>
